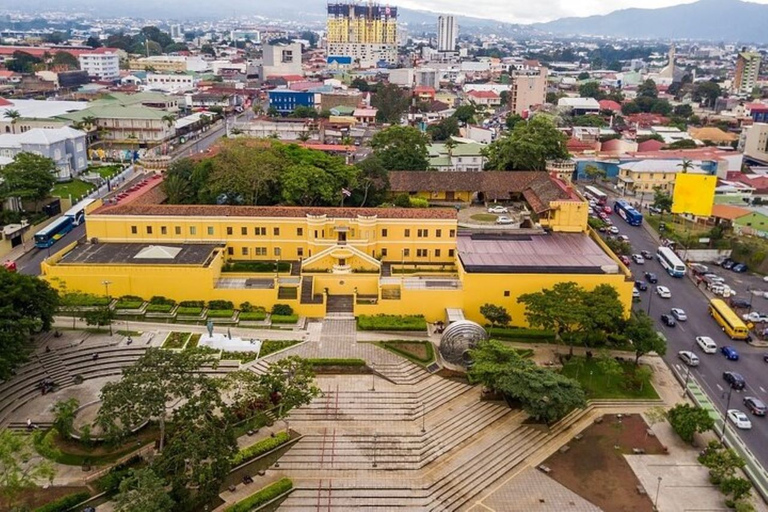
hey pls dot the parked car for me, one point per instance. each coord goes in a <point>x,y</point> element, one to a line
<point>735,380</point>
<point>727,264</point>
<point>663,292</point>
<point>602,216</point>
<point>706,344</point>
<point>647,255</point>
<point>679,314</point>
<point>613,230</point>
<point>755,317</point>
<point>698,269</point>
<point>740,268</point>
<point>739,303</point>
<point>625,260</point>
<point>688,357</point>
<point>503,220</point>
<point>623,238</point>
<point>668,320</point>
<point>641,285</point>
<point>739,419</point>
<point>755,405</point>
<point>498,209</point>
<point>638,258</point>
<point>635,294</point>
<point>730,353</point>
<point>651,277</point>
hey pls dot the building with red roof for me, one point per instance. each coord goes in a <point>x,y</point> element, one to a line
<point>485,98</point>
<point>610,105</point>
<point>649,146</point>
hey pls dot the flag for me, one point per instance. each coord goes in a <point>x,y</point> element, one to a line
<point>346,192</point>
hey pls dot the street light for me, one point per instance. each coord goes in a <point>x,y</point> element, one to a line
<point>374,450</point>
<point>725,415</point>
<point>656,501</point>
<point>423,428</point>
<point>650,296</point>
<point>106,289</point>
<point>373,377</point>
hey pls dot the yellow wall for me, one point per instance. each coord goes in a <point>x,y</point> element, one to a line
<point>567,216</point>
<point>463,196</point>
<point>694,194</point>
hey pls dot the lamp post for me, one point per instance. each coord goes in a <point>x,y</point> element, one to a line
<point>106,289</point>
<point>650,297</point>
<point>725,415</point>
<point>423,427</point>
<point>687,376</point>
<point>656,501</point>
<point>373,378</point>
<point>374,450</point>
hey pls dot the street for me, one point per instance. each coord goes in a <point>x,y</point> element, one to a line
<point>709,373</point>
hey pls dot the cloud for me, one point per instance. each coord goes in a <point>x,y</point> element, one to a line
<point>526,11</point>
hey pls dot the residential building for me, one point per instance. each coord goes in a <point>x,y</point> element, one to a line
<point>747,71</point>
<point>170,64</point>
<point>756,143</point>
<point>484,98</point>
<point>347,256</point>
<point>528,88</point>
<point>281,59</point>
<point>447,33</point>
<point>285,101</point>
<point>171,82</point>
<point>134,124</point>
<point>644,176</point>
<point>365,32</point>
<point>465,156</point>
<point>578,106</point>
<point>36,114</point>
<point>66,146</point>
<point>101,66</point>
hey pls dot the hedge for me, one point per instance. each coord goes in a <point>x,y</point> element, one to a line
<point>394,347</point>
<point>282,309</point>
<point>284,319</point>
<point>512,332</point>
<point>192,304</point>
<point>43,442</point>
<point>253,315</point>
<point>189,311</point>
<point>261,497</point>
<point>335,362</point>
<point>110,483</point>
<point>64,503</point>
<point>256,266</point>
<point>391,323</point>
<point>159,299</point>
<point>260,448</point>
<point>128,304</point>
<point>271,346</point>
<point>220,313</point>
<point>221,304</point>
<point>159,308</point>
<point>83,300</point>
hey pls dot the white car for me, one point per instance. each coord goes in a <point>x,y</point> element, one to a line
<point>663,292</point>
<point>503,220</point>
<point>679,314</point>
<point>706,344</point>
<point>688,357</point>
<point>755,317</point>
<point>635,293</point>
<point>613,230</point>
<point>739,419</point>
<point>623,238</point>
<point>638,258</point>
<point>498,209</point>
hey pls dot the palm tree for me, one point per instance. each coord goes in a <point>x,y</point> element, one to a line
<point>88,122</point>
<point>169,119</point>
<point>686,165</point>
<point>450,145</point>
<point>13,115</point>
<point>303,136</point>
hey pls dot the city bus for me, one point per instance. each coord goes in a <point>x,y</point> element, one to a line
<point>593,194</point>
<point>671,263</point>
<point>730,322</point>
<point>628,213</point>
<point>77,212</point>
<point>50,234</point>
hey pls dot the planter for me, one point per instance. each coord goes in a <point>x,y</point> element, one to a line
<point>192,318</point>
<point>132,312</point>
<point>169,314</point>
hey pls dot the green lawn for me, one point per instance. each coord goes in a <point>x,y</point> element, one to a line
<point>484,217</point>
<point>419,352</point>
<point>74,188</point>
<point>106,171</point>
<point>597,384</point>
<point>391,323</point>
<point>284,319</point>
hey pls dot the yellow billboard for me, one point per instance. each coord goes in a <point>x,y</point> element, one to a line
<point>694,194</point>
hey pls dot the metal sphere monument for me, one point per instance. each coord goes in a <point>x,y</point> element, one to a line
<point>458,339</point>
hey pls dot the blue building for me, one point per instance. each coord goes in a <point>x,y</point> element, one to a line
<point>759,114</point>
<point>285,101</point>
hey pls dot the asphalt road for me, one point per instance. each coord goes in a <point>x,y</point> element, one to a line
<point>709,373</point>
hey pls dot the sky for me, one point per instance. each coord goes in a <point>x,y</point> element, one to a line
<point>528,11</point>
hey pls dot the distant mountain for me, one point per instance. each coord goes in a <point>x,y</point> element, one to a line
<point>722,20</point>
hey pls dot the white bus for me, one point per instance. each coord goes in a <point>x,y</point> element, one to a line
<point>77,212</point>
<point>671,263</point>
<point>596,195</point>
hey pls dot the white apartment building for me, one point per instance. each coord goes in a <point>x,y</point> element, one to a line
<point>281,59</point>
<point>365,55</point>
<point>447,33</point>
<point>101,66</point>
<point>171,82</point>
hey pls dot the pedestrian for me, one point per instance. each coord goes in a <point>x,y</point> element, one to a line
<point>29,424</point>
<point>95,356</point>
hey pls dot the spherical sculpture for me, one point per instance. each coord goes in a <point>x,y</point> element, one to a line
<point>458,339</point>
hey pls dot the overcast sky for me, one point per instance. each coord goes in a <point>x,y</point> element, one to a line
<point>530,11</point>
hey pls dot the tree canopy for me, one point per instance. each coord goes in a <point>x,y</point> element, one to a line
<point>143,491</point>
<point>20,469</point>
<point>401,148</point>
<point>528,146</point>
<point>29,177</point>
<point>687,420</point>
<point>391,102</point>
<point>641,330</point>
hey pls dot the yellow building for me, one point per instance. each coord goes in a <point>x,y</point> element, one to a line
<point>644,175</point>
<point>368,260</point>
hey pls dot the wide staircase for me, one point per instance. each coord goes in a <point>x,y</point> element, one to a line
<point>307,295</point>
<point>340,304</point>
<point>401,372</point>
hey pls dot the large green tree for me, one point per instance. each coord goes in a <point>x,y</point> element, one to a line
<point>560,309</point>
<point>444,129</point>
<point>495,315</point>
<point>64,415</point>
<point>687,420</point>
<point>590,89</point>
<point>391,102</point>
<point>29,177</point>
<point>143,491</point>
<point>641,330</point>
<point>149,389</point>
<point>528,146</point>
<point>401,148</point>
<point>372,182</point>
<point>27,305</point>
<point>20,468</point>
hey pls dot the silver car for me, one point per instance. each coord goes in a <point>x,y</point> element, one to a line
<point>688,357</point>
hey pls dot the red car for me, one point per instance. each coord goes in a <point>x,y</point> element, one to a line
<point>625,260</point>
<point>10,266</point>
<point>607,209</point>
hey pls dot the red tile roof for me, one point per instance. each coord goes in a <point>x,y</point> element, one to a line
<point>483,94</point>
<point>610,105</point>
<point>38,51</point>
<point>649,146</point>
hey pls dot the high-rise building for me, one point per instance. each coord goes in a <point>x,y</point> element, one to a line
<point>367,33</point>
<point>747,71</point>
<point>528,88</point>
<point>447,33</point>
<point>177,31</point>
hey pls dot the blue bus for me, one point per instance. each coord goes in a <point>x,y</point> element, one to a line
<point>49,235</point>
<point>628,213</point>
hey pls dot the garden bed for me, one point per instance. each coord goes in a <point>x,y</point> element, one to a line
<point>263,496</point>
<point>189,311</point>
<point>272,346</point>
<point>221,313</point>
<point>284,319</point>
<point>257,267</point>
<point>159,308</point>
<point>194,340</point>
<point>253,316</point>
<point>405,323</point>
<point>419,352</point>
<point>176,340</point>
<point>72,452</point>
<point>35,497</point>
<point>338,366</point>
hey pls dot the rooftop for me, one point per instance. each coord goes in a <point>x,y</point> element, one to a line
<point>139,254</point>
<point>659,166</point>
<point>554,253</point>
<point>42,109</point>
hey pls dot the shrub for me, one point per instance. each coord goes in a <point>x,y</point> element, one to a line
<point>43,442</point>
<point>159,308</point>
<point>221,304</point>
<point>403,201</point>
<point>282,309</point>
<point>110,482</point>
<point>192,304</point>
<point>392,323</point>
<point>271,346</point>
<point>256,266</point>
<point>686,420</point>
<point>284,319</point>
<point>418,202</point>
<point>246,307</point>
<point>64,503</point>
<point>260,448</point>
<point>220,313</point>
<point>125,303</point>
<point>159,299</point>
<point>265,495</point>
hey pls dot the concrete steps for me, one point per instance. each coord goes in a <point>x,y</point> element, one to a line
<point>402,372</point>
<point>363,494</point>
